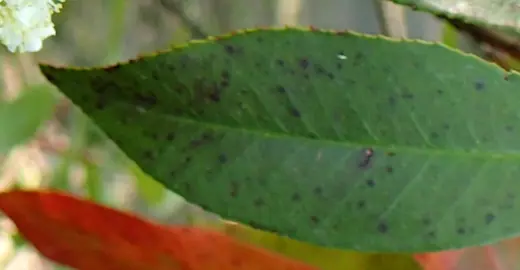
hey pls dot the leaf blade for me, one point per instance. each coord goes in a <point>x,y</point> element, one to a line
<point>74,232</point>
<point>21,118</point>
<point>330,144</point>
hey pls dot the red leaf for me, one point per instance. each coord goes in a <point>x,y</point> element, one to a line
<point>445,260</point>
<point>87,236</point>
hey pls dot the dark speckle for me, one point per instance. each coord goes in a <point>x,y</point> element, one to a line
<point>230,49</point>
<point>280,89</point>
<point>280,62</point>
<point>390,154</point>
<point>361,204</point>
<point>225,75</point>
<point>259,202</point>
<point>489,218</point>
<point>426,221</point>
<point>389,169</point>
<point>371,183</point>
<point>304,63</point>
<point>296,197</point>
<point>434,135</point>
<point>382,227</point>
<point>440,92</point>
<point>318,191</point>
<point>170,136</point>
<point>315,219</point>
<point>149,154</point>
<point>222,158</point>
<point>234,189</point>
<point>295,112</point>
<point>431,234</point>
<point>391,100</point>
<point>461,230</point>
<point>509,128</point>
<point>479,86</point>
<point>368,154</point>
<point>407,95</point>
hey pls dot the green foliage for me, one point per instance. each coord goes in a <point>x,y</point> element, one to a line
<point>21,118</point>
<point>499,13</point>
<point>336,139</point>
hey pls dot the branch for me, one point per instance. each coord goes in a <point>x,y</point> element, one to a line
<point>486,36</point>
<point>195,29</point>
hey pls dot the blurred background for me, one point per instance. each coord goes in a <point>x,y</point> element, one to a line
<point>64,150</point>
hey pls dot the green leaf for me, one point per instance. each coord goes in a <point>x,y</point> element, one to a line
<point>21,118</point>
<point>336,139</point>
<point>499,13</point>
<point>149,189</point>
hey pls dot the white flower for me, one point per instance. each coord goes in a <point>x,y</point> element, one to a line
<point>24,24</point>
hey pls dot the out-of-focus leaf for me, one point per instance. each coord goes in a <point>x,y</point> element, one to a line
<point>93,182</point>
<point>500,256</point>
<point>444,260</point>
<point>153,192</point>
<point>500,13</point>
<point>323,258</point>
<point>336,139</point>
<point>87,236</point>
<point>21,118</point>
<point>450,35</point>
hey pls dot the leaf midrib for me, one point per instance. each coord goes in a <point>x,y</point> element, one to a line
<point>389,148</point>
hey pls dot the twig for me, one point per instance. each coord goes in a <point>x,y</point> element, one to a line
<point>483,35</point>
<point>391,19</point>
<point>195,29</point>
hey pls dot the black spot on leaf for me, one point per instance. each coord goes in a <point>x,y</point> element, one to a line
<point>222,158</point>
<point>295,112</point>
<point>280,89</point>
<point>296,197</point>
<point>371,183</point>
<point>259,202</point>
<point>315,219</point>
<point>426,221</point>
<point>382,227</point>
<point>234,189</point>
<point>390,154</point>
<point>303,63</point>
<point>479,86</point>
<point>361,204</point>
<point>368,154</point>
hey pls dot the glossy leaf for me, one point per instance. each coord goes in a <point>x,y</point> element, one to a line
<point>21,118</point>
<point>500,13</point>
<point>86,236</point>
<point>336,139</point>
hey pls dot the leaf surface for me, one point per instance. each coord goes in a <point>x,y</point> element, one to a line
<point>87,236</point>
<point>499,13</point>
<point>21,118</point>
<point>336,139</point>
